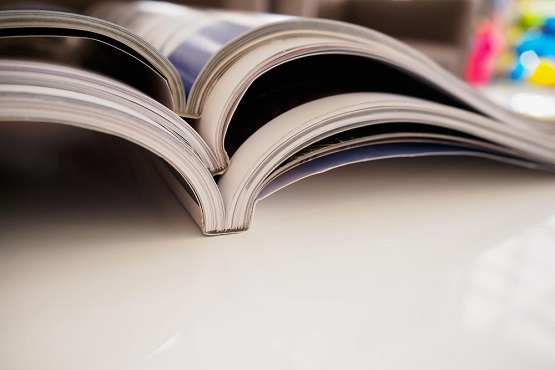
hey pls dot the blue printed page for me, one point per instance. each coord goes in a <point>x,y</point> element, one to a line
<point>188,37</point>
<point>373,152</point>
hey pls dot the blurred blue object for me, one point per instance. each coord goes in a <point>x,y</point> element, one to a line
<point>518,72</point>
<point>549,25</point>
<point>543,44</point>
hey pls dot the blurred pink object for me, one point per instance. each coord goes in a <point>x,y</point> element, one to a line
<point>486,46</point>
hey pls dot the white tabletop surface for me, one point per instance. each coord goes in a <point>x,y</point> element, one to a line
<point>428,263</point>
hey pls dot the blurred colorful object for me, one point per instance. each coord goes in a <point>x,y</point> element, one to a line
<point>488,40</point>
<point>515,39</point>
<point>486,47</point>
<point>544,73</point>
<point>534,49</point>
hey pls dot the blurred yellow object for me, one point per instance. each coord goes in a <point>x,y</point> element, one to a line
<point>531,19</point>
<point>544,74</point>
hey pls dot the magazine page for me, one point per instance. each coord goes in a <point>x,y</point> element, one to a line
<point>38,92</point>
<point>204,45</point>
<point>231,87</point>
<point>256,160</point>
<point>90,43</point>
<point>409,147</point>
<point>264,83</point>
<point>61,77</point>
<point>188,37</point>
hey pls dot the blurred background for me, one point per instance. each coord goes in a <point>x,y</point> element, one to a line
<point>479,40</point>
<point>504,47</point>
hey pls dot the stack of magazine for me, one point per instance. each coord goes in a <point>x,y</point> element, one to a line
<point>238,105</point>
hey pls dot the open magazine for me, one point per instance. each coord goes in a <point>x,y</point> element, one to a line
<point>238,105</point>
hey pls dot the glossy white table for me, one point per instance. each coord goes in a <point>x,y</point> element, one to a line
<point>430,263</point>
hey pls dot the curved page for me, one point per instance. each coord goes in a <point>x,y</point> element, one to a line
<point>280,139</point>
<point>29,24</point>
<point>193,40</point>
<point>31,92</point>
<point>233,87</point>
<point>413,147</point>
